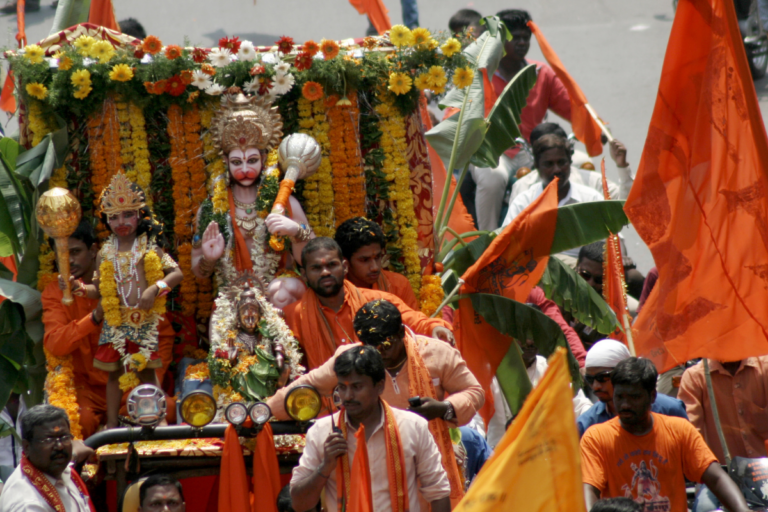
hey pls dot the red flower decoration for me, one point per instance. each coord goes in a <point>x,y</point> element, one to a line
<point>139,53</point>
<point>266,85</point>
<point>311,47</point>
<point>285,44</point>
<point>257,70</point>
<point>176,86</point>
<point>199,55</point>
<point>303,61</point>
<point>231,43</point>
<point>221,354</point>
<point>160,86</point>
<point>186,76</point>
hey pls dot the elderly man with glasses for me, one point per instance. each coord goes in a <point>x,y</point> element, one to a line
<point>602,358</point>
<point>45,481</point>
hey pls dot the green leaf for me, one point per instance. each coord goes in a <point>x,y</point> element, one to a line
<point>466,256</point>
<point>29,298</point>
<point>513,378</point>
<point>7,430</point>
<point>12,210</point>
<point>503,120</point>
<point>5,273</point>
<point>573,294</point>
<point>9,152</point>
<point>70,13</point>
<point>30,263</point>
<point>441,138</point>
<point>583,223</point>
<point>526,323</point>
<point>6,245</point>
<point>14,344</point>
<point>38,163</point>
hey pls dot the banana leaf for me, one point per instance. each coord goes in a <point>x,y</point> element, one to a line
<point>29,298</point>
<point>503,120</point>
<point>38,163</point>
<point>441,137</point>
<point>521,322</point>
<point>14,213</point>
<point>573,294</point>
<point>5,273</point>
<point>14,344</point>
<point>70,13</point>
<point>583,223</point>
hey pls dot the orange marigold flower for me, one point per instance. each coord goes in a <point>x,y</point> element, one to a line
<point>330,48</point>
<point>172,51</point>
<point>312,91</point>
<point>150,87</point>
<point>186,76</point>
<point>208,69</point>
<point>370,43</point>
<point>160,86</point>
<point>311,48</point>
<point>152,45</point>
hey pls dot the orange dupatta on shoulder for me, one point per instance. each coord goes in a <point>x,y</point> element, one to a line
<point>420,384</point>
<point>242,255</point>
<point>355,482</point>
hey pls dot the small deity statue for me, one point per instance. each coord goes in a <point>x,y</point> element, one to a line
<point>249,336</point>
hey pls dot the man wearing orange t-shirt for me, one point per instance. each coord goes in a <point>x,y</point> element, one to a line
<point>322,319</point>
<point>362,245</point>
<point>646,456</point>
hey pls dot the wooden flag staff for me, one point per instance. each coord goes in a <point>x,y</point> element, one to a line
<point>599,122</point>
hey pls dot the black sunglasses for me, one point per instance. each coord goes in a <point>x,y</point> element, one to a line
<point>601,377</point>
<point>598,279</point>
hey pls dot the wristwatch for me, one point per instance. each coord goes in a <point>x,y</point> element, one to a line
<point>450,414</point>
<point>162,288</point>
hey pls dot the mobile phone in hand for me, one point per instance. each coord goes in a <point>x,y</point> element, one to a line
<point>415,401</point>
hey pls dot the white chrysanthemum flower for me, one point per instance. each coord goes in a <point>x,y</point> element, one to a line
<point>246,52</point>
<point>252,86</point>
<point>282,67</point>
<point>214,89</point>
<point>282,83</point>
<point>201,80</point>
<point>220,57</point>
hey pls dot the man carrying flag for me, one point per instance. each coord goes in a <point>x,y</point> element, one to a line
<point>404,460</point>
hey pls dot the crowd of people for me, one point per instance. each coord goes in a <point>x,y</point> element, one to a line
<point>396,373</point>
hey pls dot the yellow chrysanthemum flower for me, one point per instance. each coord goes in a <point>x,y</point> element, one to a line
<point>432,44</point>
<point>81,78</point>
<point>437,77</point>
<point>399,83</point>
<point>102,50</point>
<point>463,77</point>
<point>83,45</point>
<point>451,47</point>
<point>83,92</point>
<point>400,35</point>
<point>121,73</point>
<point>422,81</point>
<point>65,63</point>
<point>438,90</point>
<point>34,54</point>
<point>421,36</point>
<point>37,90</point>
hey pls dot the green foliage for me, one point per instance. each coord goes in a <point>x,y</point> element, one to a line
<point>16,349</point>
<point>583,223</point>
<point>573,294</point>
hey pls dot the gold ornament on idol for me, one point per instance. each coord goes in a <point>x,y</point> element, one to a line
<point>120,197</point>
<point>246,122</point>
<point>58,214</point>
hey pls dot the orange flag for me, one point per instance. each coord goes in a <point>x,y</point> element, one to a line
<point>376,11</point>
<point>233,482</point>
<point>266,472</point>
<point>700,199</point>
<point>511,266</point>
<point>584,125</point>
<point>537,464</point>
<point>361,498</point>
<point>614,287</point>
<point>103,14</point>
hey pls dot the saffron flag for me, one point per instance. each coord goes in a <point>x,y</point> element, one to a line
<point>614,287</point>
<point>700,199</point>
<point>103,14</point>
<point>584,125</point>
<point>536,466</point>
<point>360,498</point>
<point>511,266</point>
<point>376,12</point>
<point>266,472</point>
<point>233,481</point>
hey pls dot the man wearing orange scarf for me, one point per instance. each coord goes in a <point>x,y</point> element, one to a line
<point>404,461</point>
<point>322,319</point>
<point>362,245</point>
<point>416,366</point>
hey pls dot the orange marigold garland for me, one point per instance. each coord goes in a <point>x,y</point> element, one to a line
<point>105,150</point>
<point>348,173</point>
<point>60,386</point>
<point>431,295</point>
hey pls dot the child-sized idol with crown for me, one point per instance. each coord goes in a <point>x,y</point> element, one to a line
<point>135,276</point>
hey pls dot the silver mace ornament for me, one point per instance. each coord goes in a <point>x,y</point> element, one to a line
<point>299,156</point>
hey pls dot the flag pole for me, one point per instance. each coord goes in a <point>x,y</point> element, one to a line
<point>715,414</point>
<point>628,331</point>
<point>602,126</point>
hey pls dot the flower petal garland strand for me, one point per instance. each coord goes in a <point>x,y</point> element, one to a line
<point>60,388</point>
<point>431,295</point>
<point>318,190</point>
<point>346,161</point>
<point>105,150</point>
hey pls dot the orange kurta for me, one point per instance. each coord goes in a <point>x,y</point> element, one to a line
<point>335,328</point>
<point>398,285</point>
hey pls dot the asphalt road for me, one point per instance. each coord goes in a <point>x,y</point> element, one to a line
<point>613,48</point>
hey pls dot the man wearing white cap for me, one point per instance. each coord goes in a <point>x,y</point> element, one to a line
<point>602,358</point>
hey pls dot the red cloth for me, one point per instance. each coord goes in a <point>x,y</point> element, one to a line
<point>548,93</point>
<point>550,309</point>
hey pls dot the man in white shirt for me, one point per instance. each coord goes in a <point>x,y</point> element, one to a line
<point>361,377</point>
<point>552,158</point>
<point>587,177</point>
<point>44,481</point>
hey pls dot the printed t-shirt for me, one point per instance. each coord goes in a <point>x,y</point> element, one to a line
<point>649,469</point>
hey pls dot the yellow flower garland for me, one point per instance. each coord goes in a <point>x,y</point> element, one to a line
<point>214,164</point>
<point>60,387</point>
<point>431,295</point>
<point>139,149</point>
<point>396,169</point>
<point>319,188</point>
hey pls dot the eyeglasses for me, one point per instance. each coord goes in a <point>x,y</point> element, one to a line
<point>598,279</point>
<point>601,377</point>
<point>48,442</point>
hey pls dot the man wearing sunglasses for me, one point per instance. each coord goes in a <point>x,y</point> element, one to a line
<point>602,358</point>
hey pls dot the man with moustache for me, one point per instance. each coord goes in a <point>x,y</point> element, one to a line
<point>647,456</point>
<point>45,482</point>
<point>74,330</point>
<point>399,445</point>
<point>322,319</point>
